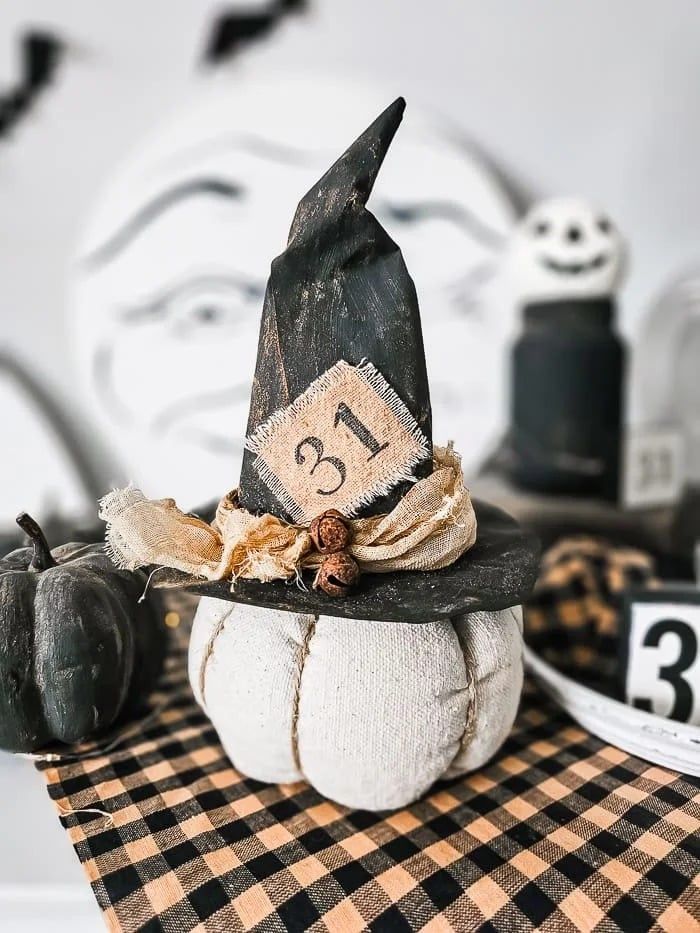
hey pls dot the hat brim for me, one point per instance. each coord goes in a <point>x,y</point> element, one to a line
<point>497,572</point>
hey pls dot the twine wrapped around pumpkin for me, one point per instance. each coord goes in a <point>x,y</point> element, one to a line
<point>430,528</point>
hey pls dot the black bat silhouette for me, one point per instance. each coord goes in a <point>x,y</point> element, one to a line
<point>41,55</point>
<point>233,30</point>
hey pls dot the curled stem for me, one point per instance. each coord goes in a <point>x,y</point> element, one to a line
<point>42,558</point>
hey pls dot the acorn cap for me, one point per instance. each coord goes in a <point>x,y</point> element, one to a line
<point>339,291</point>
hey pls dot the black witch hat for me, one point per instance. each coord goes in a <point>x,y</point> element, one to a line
<point>341,290</point>
<point>339,295</point>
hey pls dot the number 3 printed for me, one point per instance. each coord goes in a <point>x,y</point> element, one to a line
<point>671,673</point>
<point>316,444</point>
<point>346,416</point>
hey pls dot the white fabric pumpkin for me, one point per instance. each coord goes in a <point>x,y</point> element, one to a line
<point>370,713</point>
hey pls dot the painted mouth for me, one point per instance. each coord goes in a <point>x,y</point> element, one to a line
<point>575,268</point>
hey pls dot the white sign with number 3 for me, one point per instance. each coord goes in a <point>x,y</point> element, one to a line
<point>663,656</point>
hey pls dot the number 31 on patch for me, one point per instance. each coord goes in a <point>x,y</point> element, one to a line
<point>345,441</point>
<point>660,653</point>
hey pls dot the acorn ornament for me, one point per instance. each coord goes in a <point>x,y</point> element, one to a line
<point>400,661</point>
<point>329,532</point>
<point>337,574</point>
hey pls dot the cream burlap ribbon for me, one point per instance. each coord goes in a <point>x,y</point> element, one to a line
<point>430,528</point>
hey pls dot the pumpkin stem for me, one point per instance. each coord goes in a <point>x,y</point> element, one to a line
<point>42,558</point>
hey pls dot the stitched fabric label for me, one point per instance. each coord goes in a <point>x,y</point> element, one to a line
<point>345,441</point>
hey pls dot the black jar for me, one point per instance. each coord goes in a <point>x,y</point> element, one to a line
<point>567,399</point>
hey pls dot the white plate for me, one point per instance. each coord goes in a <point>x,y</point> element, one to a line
<point>661,741</point>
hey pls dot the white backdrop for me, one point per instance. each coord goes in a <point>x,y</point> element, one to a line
<point>597,99</point>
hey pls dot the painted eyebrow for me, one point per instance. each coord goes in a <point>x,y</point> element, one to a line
<point>208,187</point>
<point>445,210</point>
<point>258,146</point>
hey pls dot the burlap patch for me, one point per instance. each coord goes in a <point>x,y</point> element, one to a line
<point>345,441</point>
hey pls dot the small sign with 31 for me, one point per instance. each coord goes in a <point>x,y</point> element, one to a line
<point>653,467</point>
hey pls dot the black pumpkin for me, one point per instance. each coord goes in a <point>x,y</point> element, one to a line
<point>77,648</point>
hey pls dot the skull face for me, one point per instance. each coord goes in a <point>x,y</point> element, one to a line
<point>565,248</point>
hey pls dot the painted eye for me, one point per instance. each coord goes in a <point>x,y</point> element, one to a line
<point>206,313</point>
<point>206,301</point>
<point>604,225</point>
<point>541,228</point>
<point>211,304</point>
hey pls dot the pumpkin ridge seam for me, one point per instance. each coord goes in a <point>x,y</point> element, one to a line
<point>208,652</point>
<point>470,719</point>
<point>296,702</point>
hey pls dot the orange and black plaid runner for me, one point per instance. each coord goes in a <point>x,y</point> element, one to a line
<point>559,833</point>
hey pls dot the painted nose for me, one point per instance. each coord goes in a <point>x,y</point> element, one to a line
<point>574,234</point>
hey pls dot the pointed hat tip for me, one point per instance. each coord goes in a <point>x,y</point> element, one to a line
<point>352,176</point>
<point>391,117</point>
<point>367,153</point>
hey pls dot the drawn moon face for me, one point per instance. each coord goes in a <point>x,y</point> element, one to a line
<point>566,248</point>
<point>170,276</point>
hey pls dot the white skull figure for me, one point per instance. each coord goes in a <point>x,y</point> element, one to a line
<point>168,286</point>
<point>565,248</point>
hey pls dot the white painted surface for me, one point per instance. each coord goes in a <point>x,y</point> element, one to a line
<point>654,461</point>
<point>596,99</point>
<point>33,908</point>
<point>663,667</point>
<point>42,885</point>
<point>565,248</point>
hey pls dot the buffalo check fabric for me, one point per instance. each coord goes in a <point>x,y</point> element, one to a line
<point>559,833</point>
<point>574,614</point>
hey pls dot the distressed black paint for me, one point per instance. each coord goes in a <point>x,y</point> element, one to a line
<point>567,399</point>
<point>77,649</point>
<point>340,290</point>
